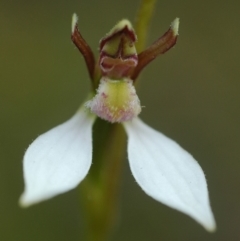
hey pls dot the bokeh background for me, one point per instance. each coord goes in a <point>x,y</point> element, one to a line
<point>192,94</point>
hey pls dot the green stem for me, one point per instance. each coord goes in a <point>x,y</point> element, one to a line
<point>101,187</point>
<point>143,18</point>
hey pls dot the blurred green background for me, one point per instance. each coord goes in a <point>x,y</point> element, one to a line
<point>192,94</point>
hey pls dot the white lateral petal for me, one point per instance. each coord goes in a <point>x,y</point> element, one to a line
<point>168,173</point>
<point>58,160</point>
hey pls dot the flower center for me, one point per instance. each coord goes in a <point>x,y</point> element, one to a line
<point>115,101</point>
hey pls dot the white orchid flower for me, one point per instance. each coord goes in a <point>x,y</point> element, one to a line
<point>58,160</point>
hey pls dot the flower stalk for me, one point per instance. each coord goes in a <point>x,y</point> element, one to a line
<point>100,189</point>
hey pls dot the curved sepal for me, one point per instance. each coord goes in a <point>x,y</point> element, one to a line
<point>168,173</point>
<point>58,160</point>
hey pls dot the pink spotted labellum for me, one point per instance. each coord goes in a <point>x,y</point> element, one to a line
<point>58,160</point>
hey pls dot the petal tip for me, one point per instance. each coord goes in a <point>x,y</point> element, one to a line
<point>175,26</point>
<point>23,202</point>
<point>74,21</point>
<point>212,229</point>
<point>26,200</point>
<point>211,226</point>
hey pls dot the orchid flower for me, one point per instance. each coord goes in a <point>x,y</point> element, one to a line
<point>58,160</point>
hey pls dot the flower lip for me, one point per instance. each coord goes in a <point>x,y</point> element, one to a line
<point>115,101</point>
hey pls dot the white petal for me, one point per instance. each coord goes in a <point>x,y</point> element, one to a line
<point>168,173</point>
<point>58,159</point>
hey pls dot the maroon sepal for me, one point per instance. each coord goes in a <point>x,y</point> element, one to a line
<point>162,45</point>
<point>86,51</point>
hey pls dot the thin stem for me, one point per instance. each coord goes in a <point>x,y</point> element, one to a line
<point>101,187</point>
<point>83,47</point>
<point>143,18</point>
